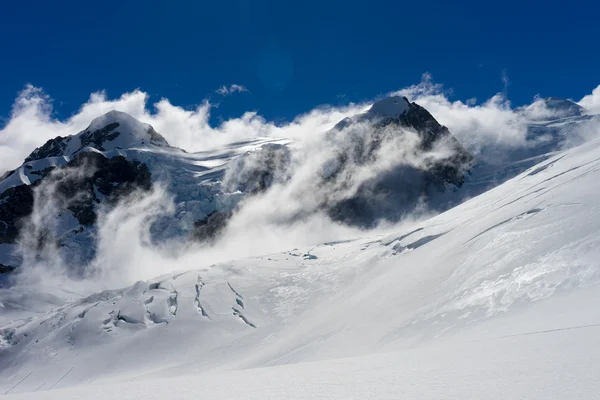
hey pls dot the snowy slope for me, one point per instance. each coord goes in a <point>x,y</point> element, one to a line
<point>518,367</point>
<point>495,298</point>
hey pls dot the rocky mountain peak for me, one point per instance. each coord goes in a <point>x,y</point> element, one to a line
<point>565,107</point>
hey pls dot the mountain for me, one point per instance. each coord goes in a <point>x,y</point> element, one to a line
<point>495,297</point>
<point>75,179</point>
<point>557,107</point>
<point>378,166</point>
<point>421,174</point>
<point>111,131</point>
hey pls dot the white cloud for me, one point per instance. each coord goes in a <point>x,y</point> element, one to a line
<point>505,81</point>
<point>31,123</point>
<point>493,123</point>
<point>227,90</point>
<point>591,102</point>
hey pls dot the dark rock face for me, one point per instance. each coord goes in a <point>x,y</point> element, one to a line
<point>209,228</point>
<point>88,180</point>
<point>392,194</point>
<point>430,134</point>
<point>52,148</point>
<point>15,204</point>
<point>100,136</point>
<point>113,178</point>
<point>78,187</point>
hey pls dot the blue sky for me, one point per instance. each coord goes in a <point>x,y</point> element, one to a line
<point>293,56</point>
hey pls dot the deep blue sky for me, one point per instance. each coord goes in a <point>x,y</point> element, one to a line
<point>295,55</point>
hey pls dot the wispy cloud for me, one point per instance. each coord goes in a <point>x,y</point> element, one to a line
<point>505,81</point>
<point>227,90</point>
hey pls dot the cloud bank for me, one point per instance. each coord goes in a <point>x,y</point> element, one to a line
<point>265,223</point>
<point>591,102</point>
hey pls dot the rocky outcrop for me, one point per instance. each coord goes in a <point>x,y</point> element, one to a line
<point>52,148</point>
<point>79,187</point>
<point>209,228</point>
<point>396,191</point>
<point>384,124</point>
<point>99,136</point>
<point>97,178</point>
<point>15,204</point>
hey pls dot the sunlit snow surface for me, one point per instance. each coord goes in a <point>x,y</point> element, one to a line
<point>496,298</point>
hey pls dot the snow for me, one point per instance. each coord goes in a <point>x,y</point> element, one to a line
<point>389,107</point>
<point>131,132</point>
<point>495,298</point>
<point>27,173</point>
<point>514,367</point>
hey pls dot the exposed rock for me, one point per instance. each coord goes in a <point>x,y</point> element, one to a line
<point>257,171</point>
<point>100,136</point>
<point>393,193</point>
<point>52,148</point>
<point>15,204</point>
<point>207,229</point>
<point>78,187</point>
<point>417,118</point>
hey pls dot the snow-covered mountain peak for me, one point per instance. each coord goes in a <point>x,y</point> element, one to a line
<point>130,128</point>
<point>113,130</point>
<point>390,107</point>
<point>552,108</point>
<point>565,107</point>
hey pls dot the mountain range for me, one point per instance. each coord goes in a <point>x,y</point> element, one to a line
<point>457,256</point>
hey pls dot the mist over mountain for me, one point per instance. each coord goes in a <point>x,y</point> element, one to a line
<point>406,222</point>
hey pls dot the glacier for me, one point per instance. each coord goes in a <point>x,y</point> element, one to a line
<point>494,298</point>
